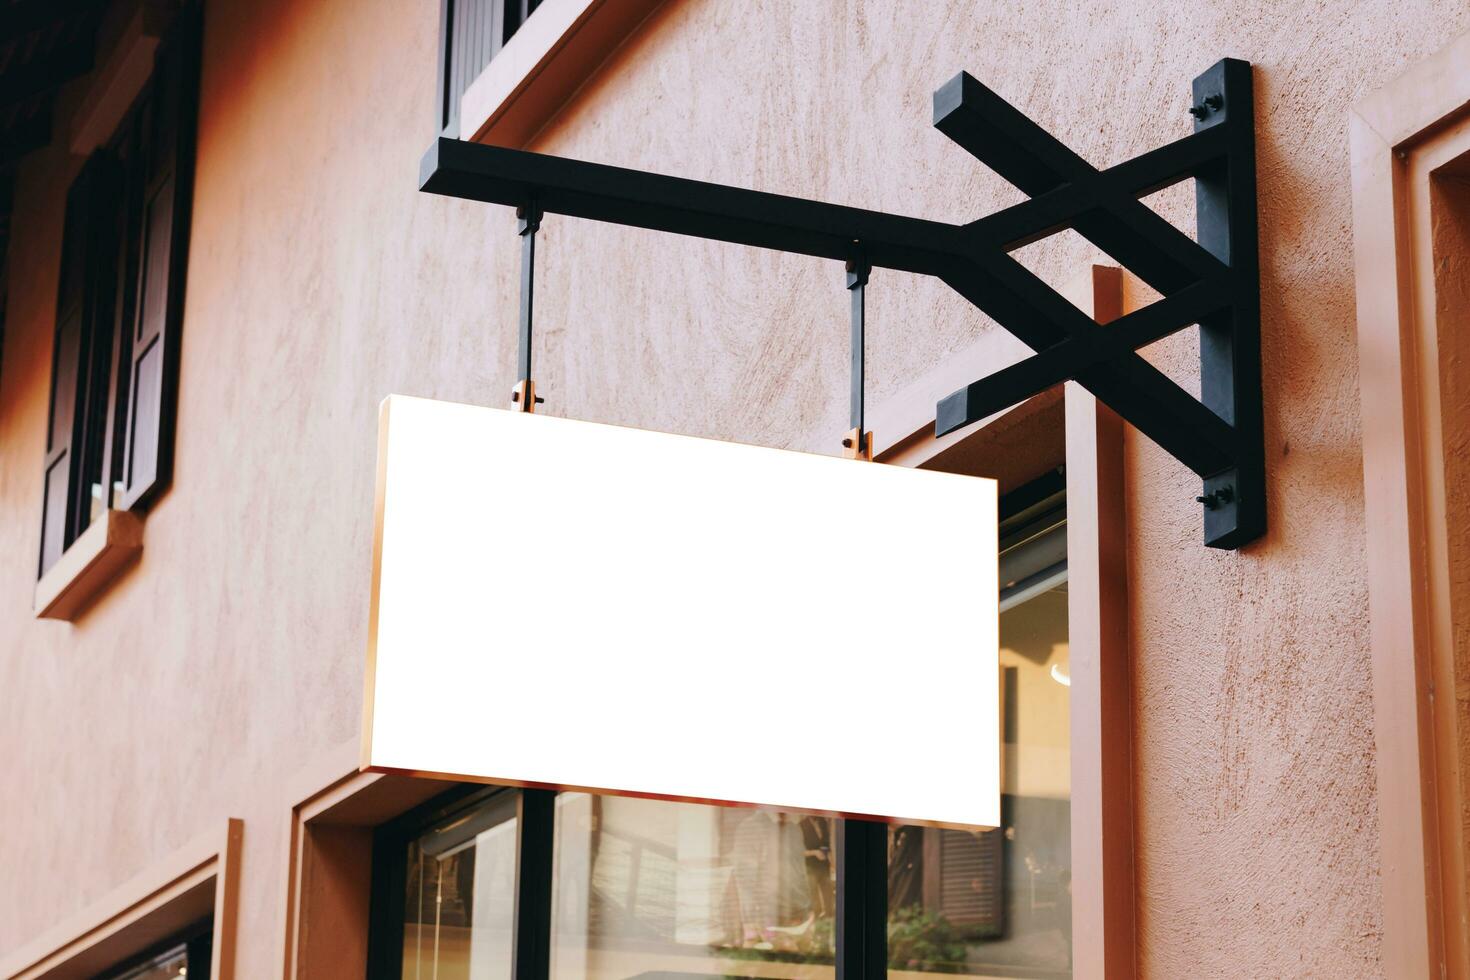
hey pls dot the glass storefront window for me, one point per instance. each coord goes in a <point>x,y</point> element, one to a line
<point>460,904</point>
<point>677,888</point>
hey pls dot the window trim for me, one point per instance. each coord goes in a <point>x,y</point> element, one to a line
<point>1104,896</point>
<point>1400,136</point>
<point>537,71</point>
<point>329,864</point>
<point>99,555</point>
<point>201,879</point>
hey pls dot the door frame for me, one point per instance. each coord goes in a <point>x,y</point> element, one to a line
<point>1402,138</point>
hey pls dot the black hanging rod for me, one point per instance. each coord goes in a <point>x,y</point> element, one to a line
<point>1212,281</point>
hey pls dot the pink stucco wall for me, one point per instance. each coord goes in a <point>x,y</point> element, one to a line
<point>319,281</point>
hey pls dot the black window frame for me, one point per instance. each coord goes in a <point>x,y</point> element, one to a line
<point>114,376</point>
<point>471,34</point>
<point>196,942</point>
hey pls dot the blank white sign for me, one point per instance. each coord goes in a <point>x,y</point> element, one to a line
<point>574,605</point>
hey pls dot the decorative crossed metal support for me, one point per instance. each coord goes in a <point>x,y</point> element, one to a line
<point>1211,280</point>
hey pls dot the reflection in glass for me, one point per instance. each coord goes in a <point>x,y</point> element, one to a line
<point>647,886</point>
<point>460,905</point>
<point>171,966</point>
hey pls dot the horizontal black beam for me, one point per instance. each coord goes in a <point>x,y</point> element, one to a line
<point>497,175</point>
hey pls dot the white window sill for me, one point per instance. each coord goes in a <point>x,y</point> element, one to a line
<point>110,544</point>
<point>543,65</point>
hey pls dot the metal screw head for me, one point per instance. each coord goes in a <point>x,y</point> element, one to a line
<point>1198,111</point>
<point>1214,101</point>
<point>1208,500</point>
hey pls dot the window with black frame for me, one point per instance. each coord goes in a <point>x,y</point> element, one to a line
<point>472,32</point>
<point>180,958</point>
<point>645,887</point>
<point>119,307</point>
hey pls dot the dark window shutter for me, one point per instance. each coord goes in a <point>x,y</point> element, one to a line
<point>80,301</point>
<point>972,879</point>
<point>66,353</point>
<point>167,157</point>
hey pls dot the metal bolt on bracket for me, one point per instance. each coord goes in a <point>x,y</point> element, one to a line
<point>1210,103</point>
<point>524,396</point>
<point>1217,499</point>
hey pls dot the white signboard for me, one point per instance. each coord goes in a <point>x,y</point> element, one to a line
<point>574,605</point>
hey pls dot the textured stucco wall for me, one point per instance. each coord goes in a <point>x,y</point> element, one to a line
<point>320,280</point>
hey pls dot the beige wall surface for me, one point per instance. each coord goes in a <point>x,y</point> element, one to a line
<point>320,281</point>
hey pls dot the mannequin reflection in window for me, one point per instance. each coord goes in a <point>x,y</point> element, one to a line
<point>816,839</point>
<point>771,881</point>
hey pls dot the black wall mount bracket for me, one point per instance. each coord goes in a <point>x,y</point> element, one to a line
<point>1212,280</point>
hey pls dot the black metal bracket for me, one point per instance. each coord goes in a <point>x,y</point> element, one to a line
<point>1212,280</point>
